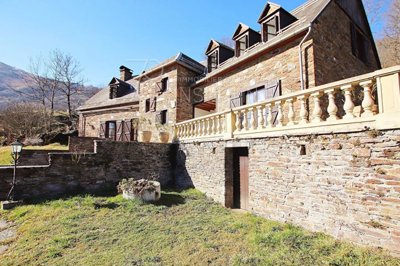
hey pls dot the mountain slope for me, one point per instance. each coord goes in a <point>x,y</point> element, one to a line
<point>13,83</point>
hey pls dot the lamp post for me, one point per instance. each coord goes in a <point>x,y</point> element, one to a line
<point>16,148</point>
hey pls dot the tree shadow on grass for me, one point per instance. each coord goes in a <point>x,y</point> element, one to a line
<point>169,199</point>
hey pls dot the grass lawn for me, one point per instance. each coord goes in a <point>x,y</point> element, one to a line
<point>5,152</point>
<point>184,229</point>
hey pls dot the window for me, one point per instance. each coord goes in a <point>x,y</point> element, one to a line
<point>241,45</point>
<point>359,44</point>
<point>270,29</point>
<point>164,85</point>
<point>255,95</point>
<point>213,61</point>
<point>111,130</point>
<point>147,108</point>
<point>161,117</point>
<point>113,92</point>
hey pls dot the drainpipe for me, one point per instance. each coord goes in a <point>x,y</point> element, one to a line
<point>301,57</point>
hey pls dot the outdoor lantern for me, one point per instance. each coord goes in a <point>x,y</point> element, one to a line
<point>16,147</point>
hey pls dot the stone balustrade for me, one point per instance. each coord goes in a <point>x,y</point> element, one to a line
<point>323,109</point>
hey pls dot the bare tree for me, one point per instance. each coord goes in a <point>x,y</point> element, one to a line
<point>389,44</point>
<point>24,119</point>
<point>46,82</point>
<point>69,71</point>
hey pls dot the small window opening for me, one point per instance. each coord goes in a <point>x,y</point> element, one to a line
<point>111,130</point>
<point>162,118</point>
<point>213,61</point>
<point>303,150</point>
<point>270,29</point>
<point>164,85</point>
<point>241,45</point>
<point>359,44</point>
<point>148,104</point>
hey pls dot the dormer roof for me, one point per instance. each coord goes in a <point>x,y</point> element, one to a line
<point>214,45</point>
<point>241,29</point>
<point>269,9</point>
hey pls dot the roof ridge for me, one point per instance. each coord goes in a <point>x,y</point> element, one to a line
<point>304,5</point>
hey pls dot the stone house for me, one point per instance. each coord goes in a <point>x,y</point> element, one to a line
<point>112,113</point>
<point>296,122</point>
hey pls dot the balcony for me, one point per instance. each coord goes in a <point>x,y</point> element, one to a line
<point>366,102</point>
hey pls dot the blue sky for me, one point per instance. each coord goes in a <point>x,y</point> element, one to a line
<point>105,34</point>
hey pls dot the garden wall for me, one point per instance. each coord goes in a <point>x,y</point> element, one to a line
<point>347,185</point>
<point>70,173</point>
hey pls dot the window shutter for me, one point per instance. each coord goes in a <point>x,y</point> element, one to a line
<point>158,118</point>
<point>273,91</point>
<point>153,104</point>
<point>120,125</point>
<point>127,130</point>
<point>102,133</point>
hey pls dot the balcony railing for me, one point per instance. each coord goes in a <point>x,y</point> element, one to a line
<point>370,101</point>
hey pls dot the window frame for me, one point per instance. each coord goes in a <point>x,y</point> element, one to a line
<point>164,85</point>
<point>239,50</point>
<point>213,65</point>
<point>359,44</point>
<point>147,105</point>
<point>107,131</point>
<point>267,36</point>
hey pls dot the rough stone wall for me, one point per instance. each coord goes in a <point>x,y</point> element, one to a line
<point>333,55</point>
<point>184,106</point>
<point>279,64</point>
<point>92,120</point>
<point>347,185</point>
<point>70,173</point>
<point>165,101</point>
<point>81,144</point>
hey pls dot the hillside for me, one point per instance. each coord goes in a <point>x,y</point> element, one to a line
<point>13,80</point>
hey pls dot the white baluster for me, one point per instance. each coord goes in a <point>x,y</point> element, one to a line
<point>215,124</point>
<point>269,116</point>
<point>332,108</point>
<point>218,125</point>
<point>303,109</point>
<point>279,117</point>
<point>368,101</point>
<point>317,108</point>
<point>252,125</point>
<point>291,114</point>
<point>203,127</point>
<point>260,117</point>
<point>348,102</point>
<point>222,124</point>
<point>192,126</point>
<point>245,124</point>
<point>238,123</point>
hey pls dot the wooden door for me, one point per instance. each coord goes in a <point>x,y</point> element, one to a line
<point>244,182</point>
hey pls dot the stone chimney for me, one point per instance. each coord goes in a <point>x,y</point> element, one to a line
<point>125,73</point>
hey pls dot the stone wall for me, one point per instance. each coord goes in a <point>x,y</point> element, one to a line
<point>332,48</point>
<point>70,173</point>
<point>92,119</point>
<point>279,64</point>
<point>81,144</point>
<point>347,185</point>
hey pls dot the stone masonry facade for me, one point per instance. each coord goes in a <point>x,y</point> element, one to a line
<point>347,185</point>
<point>75,172</point>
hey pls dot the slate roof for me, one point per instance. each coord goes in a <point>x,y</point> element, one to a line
<point>305,14</point>
<point>179,58</point>
<point>102,98</point>
<point>215,44</point>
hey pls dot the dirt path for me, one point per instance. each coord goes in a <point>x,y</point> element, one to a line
<point>7,234</point>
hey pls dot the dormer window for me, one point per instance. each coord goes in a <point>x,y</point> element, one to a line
<point>241,45</point>
<point>213,61</point>
<point>244,38</point>
<point>217,53</point>
<point>113,92</point>
<point>274,19</point>
<point>270,28</point>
